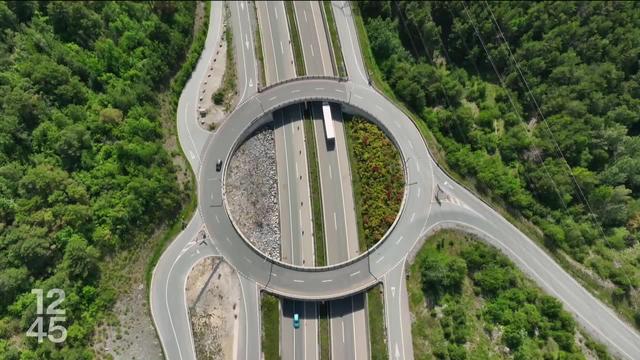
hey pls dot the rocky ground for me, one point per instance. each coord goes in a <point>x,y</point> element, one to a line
<point>129,334</point>
<point>213,295</point>
<point>252,191</point>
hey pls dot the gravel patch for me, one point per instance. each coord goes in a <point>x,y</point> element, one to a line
<point>252,191</point>
<point>213,296</point>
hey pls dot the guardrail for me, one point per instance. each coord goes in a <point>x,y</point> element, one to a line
<point>302,78</point>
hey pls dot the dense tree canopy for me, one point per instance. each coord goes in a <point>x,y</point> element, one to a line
<point>83,171</point>
<point>540,103</point>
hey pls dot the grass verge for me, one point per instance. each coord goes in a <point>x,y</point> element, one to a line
<point>258,48</point>
<point>270,312</point>
<point>298,56</point>
<point>316,194</point>
<point>324,332</point>
<point>335,39</point>
<point>524,225</point>
<point>228,90</point>
<point>378,179</point>
<point>377,334</point>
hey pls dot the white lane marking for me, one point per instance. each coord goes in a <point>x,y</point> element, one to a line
<point>229,241</point>
<point>357,96</point>
<point>418,166</point>
<point>335,222</point>
<point>305,16</point>
<point>295,91</point>
<point>248,260</point>
<point>381,257</point>
<point>330,173</point>
<point>217,219</point>
<point>192,155</point>
<point>273,46</point>
<point>339,91</point>
<point>273,98</point>
<point>281,47</point>
<point>297,172</point>
<point>276,11</point>
<point>355,273</point>
<point>186,107</point>
<point>251,82</point>
<point>419,192</point>
<point>342,323</point>
<point>298,281</point>
<point>319,89</point>
<point>411,145</point>
<point>379,107</point>
<point>246,41</point>
<point>412,217</point>
<point>312,53</point>
<point>326,281</point>
<point>242,5</point>
<point>315,25</point>
<point>275,275</point>
<point>211,196</point>
<point>399,240</point>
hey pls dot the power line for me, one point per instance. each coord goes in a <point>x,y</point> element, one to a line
<point>515,110</point>
<point>549,131</point>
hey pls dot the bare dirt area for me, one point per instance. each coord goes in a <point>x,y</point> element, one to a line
<point>213,295</point>
<point>252,191</point>
<point>129,333</point>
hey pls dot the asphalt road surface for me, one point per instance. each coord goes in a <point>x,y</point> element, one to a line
<point>296,225</point>
<point>340,228</point>
<point>420,216</point>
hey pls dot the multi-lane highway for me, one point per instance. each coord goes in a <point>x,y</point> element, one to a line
<point>340,230</point>
<point>420,216</point>
<point>296,225</point>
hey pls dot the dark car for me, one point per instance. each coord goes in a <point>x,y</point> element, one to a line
<point>219,165</point>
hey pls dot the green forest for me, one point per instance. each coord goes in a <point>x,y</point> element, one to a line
<point>470,302</point>
<point>83,171</point>
<point>538,104</point>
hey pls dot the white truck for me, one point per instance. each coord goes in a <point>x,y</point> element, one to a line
<point>328,121</point>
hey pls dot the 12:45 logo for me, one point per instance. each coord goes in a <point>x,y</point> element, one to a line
<point>56,333</point>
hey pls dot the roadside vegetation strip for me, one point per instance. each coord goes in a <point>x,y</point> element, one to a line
<point>377,331</point>
<point>378,179</point>
<point>298,55</point>
<point>324,336</point>
<point>463,292</point>
<point>316,191</point>
<point>335,39</point>
<point>190,201</point>
<point>226,94</point>
<point>270,312</point>
<point>258,49</point>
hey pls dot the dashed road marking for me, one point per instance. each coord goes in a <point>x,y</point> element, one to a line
<point>399,240</point>
<point>326,281</point>
<point>381,257</point>
<point>355,273</point>
<point>298,281</point>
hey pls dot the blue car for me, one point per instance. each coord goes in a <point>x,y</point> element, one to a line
<point>296,321</point>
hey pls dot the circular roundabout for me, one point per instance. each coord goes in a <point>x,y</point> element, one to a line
<point>339,280</point>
